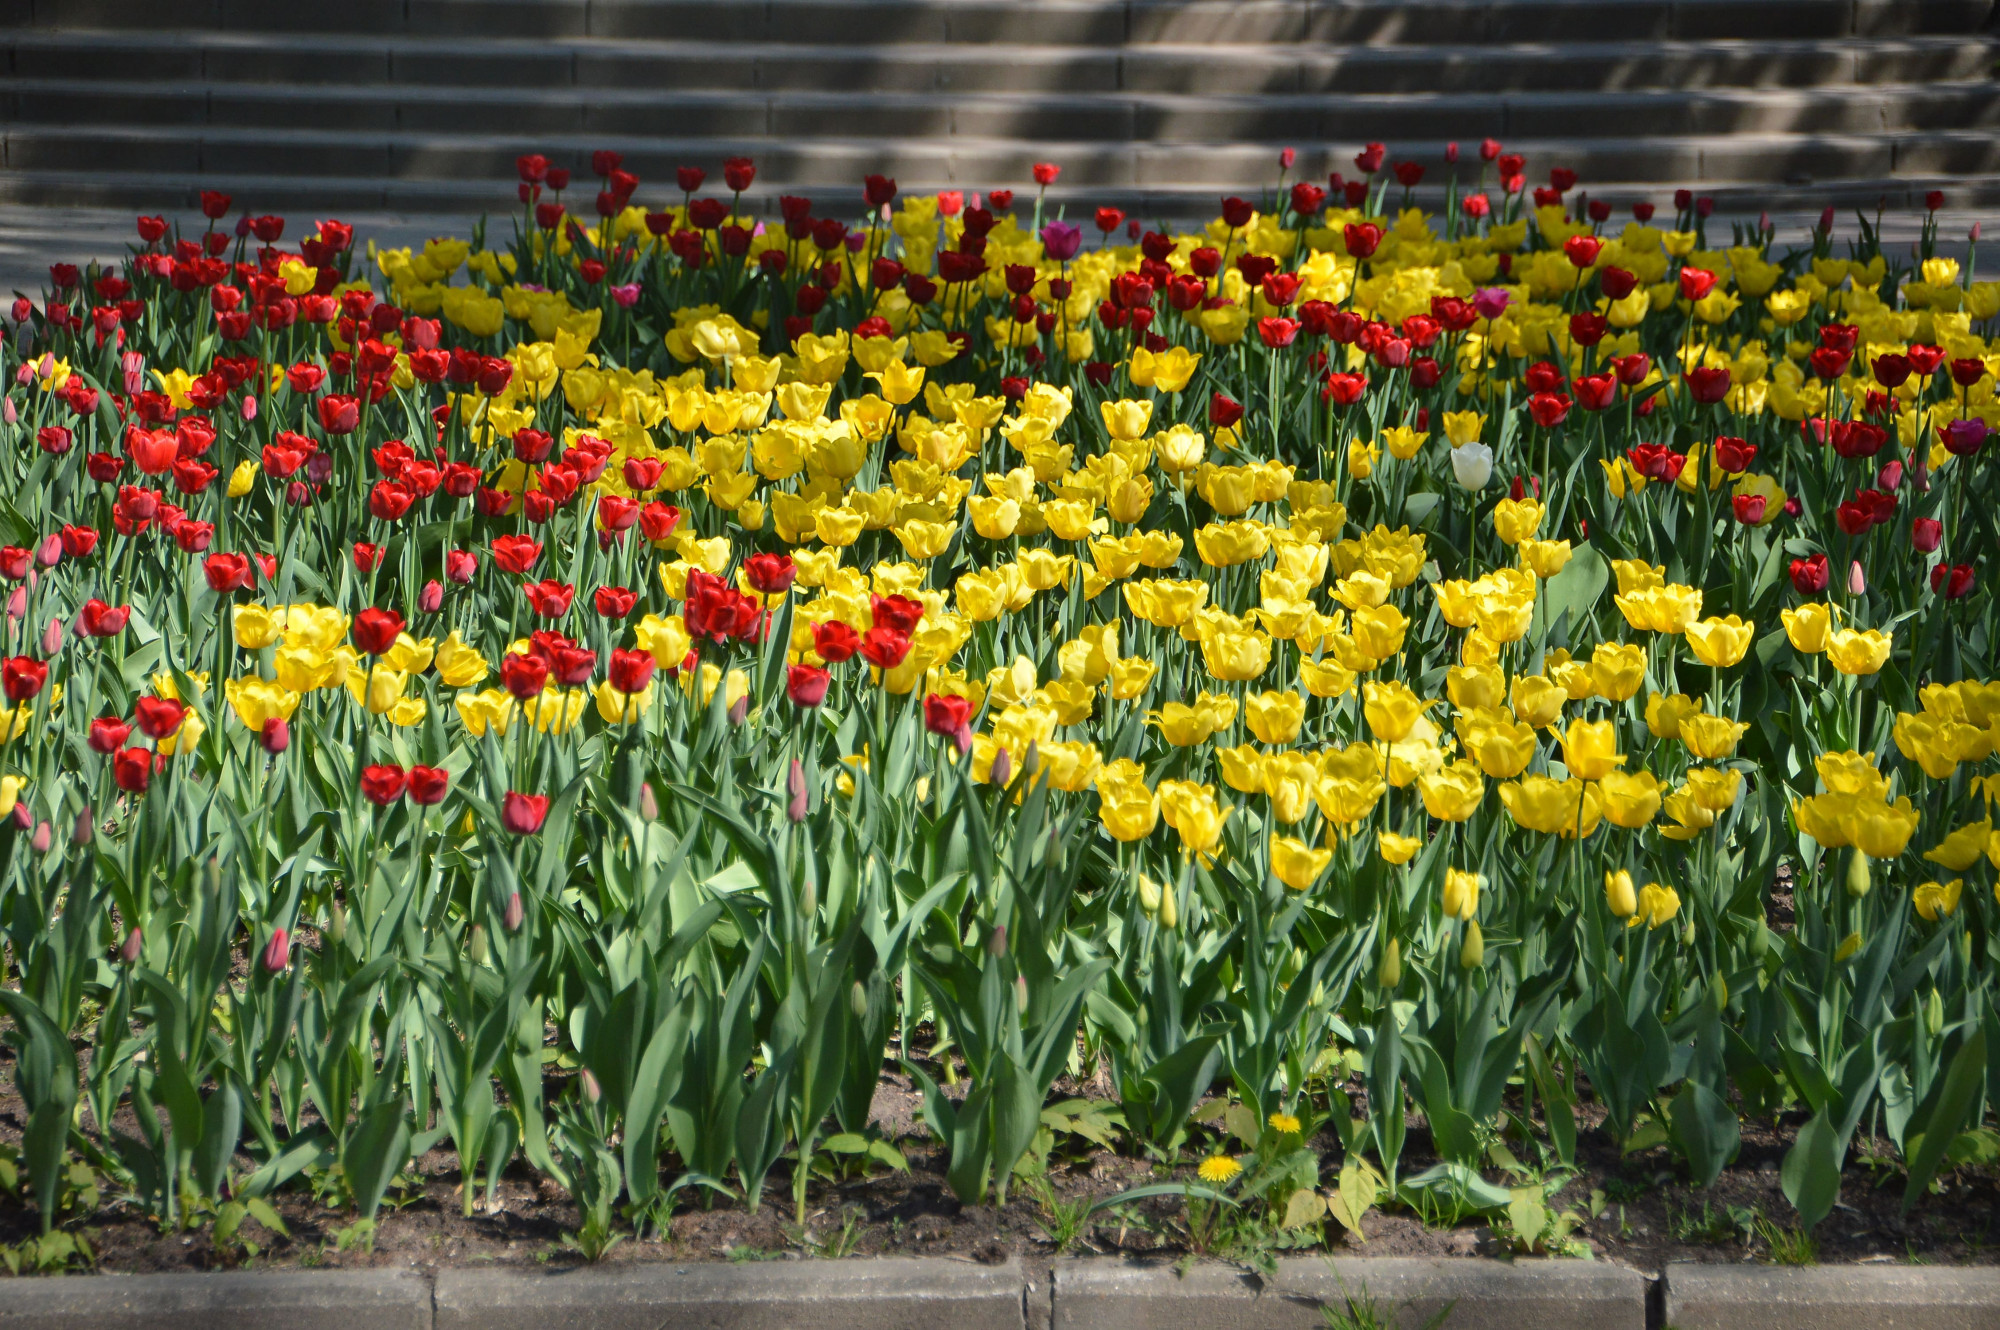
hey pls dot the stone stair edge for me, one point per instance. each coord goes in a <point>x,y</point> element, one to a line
<point>1639,98</point>
<point>1038,1294</point>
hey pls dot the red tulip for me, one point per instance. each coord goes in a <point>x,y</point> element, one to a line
<point>278,952</point>
<point>1696,283</point>
<point>1926,534</point>
<point>428,784</point>
<point>946,714</point>
<point>108,734</point>
<point>549,598</point>
<point>228,572</point>
<point>1954,580</point>
<point>276,736</point>
<point>522,814</point>
<point>1708,385</point>
<point>375,631</point>
<point>383,784</point>
<point>1734,455</point>
<point>516,554</point>
<point>97,619</point>
<point>884,648</point>
<point>614,602</point>
<point>835,641</point>
<point>771,574</point>
<point>132,769</point>
<point>523,675</point>
<point>23,677</point>
<point>631,671</point>
<point>806,684</point>
<point>339,413</point>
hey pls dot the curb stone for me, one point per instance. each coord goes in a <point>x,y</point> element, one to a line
<point>1883,1297</point>
<point>893,1293</point>
<point>1488,1295</point>
<point>292,1299</point>
<point>1076,1294</point>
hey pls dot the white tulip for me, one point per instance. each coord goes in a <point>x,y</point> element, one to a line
<point>1472,464</point>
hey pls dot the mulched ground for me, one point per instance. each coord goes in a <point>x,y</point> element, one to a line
<point>1647,1214</point>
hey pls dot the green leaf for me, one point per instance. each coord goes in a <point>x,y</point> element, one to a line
<point>1962,1085</point>
<point>1811,1171</point>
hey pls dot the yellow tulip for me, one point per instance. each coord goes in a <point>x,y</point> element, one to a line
<point>1538,700</point>
<point>1657,905</point>
<point>255,627</point>
<point>1515,520</point>
<point>1857,652</point>
<point>1590,749</point>
<point>1397,849</point>
<point>1461,894</point>
<point>1128,812</point>
<point>1666,711</point>
<point>1962,848</point>
<point>1295,863</point>
<point>1391,709</point>
<point>1808,627</point>
<point>1275,718</point>
<point>1631,799</point>
<point>1126,420</point>
<point>1453,793</point>
<point>1568,808</point>
<point>1936,900</point>
<point>1619,894</point>
<point>1711,737</point>
<point>1720,642</point>
<point>1616,670</point>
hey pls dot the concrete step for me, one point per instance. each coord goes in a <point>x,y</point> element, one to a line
<point>512,63</point>
<point>483,163</point>
<point>1054,22</point>
<point>1115,116</point>
<point>324,196</point>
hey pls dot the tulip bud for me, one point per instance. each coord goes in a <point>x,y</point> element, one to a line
<point>809,898</point>
<point>1021,993</point>
<point>85,829</point>
<point>795,785</point>
<point>24,817</point>
<point>135,941</point>
<point>1472,952</point>
<point>1687,932</point>
<point>996,941</point>
<point>1149,894</point>
<point>1859,879</point>
<point>857,998</point>
<point>44,837</point>
<point>1031,761</point>
<point>592,1091</point>
<point>336,923</point>
<point>1934,1014</point>
<point>431,598</point>
<point>276,736</point>
<point>17,604</point>
<point>278,952</point>
<point>514,913</point>
<point>1848,946</point>
<point>649,804</point>
<point>739,710</point>
<point>1721,991</point>
<point>52,637</point>
<point>1857,581</point>
<point>249,408</point>
<point>1170,907</point>
<point>1003,767</point>
<point>49,553</point>
<point>1390,973</point>
<point>477,945</point>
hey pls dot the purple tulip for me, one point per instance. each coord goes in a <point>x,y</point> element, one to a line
<point>1962,438</point>
<point>1490,301</point>
<point>1060,241</point>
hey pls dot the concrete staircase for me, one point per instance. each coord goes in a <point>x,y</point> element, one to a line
<point>1158,106</point>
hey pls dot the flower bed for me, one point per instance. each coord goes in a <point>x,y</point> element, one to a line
<point>587,699</point>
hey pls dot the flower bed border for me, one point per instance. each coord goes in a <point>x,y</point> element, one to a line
<point>1101,1294</point>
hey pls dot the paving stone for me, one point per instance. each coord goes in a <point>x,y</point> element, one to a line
<point>276,1300</point>
<point>1882,1297</point>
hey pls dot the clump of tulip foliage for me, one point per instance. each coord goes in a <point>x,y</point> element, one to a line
<point>591,699</point>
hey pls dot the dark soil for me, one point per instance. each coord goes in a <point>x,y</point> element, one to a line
<point>1647,1214</point>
